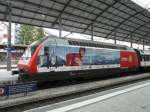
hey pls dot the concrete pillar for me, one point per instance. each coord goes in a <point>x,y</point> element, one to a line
<point>9,39</point>
<point>115,41</point>
<point>143,45</point>
<point>131,44</point>
<point>60,27</point>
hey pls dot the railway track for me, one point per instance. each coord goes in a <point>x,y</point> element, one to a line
<point>68,91</point>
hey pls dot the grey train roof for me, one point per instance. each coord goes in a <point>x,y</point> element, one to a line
<point>80,42</point>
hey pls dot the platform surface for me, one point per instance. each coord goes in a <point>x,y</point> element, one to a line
<point>130,98</point>
<point>7,75</point>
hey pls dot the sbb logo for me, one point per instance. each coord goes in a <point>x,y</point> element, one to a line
<point>2,91</point>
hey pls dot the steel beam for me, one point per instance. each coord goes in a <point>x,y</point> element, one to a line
<point>143,44</point>
<point>134,31</point>
<point>115,28</point>
<point>131,41</point>
<point>92,32</point>
<point>81,2</point>
<point>115,41</point>
<point>48,8</point>
<point>60,14</point>
<point>99,15</point>
<point>64,19</point>
<point>9,39</point>
<point>60,27</point>
<point>125,4</point>
<point>69,25</point>
<point>143,37</point>
<point>76,16</point>
<point>6,14</point>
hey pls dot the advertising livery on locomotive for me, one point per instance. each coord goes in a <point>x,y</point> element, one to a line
<point>53,58</point>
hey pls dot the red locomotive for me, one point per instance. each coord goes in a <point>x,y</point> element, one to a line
<point>53,58</point>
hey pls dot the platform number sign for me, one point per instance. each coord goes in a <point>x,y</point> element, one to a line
<point>8,90</point>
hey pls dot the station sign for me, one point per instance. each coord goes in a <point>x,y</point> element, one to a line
<point>10,49</point>
<point>21,88</point>
<point>8,90</point>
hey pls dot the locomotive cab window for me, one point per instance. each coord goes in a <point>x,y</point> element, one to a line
<point>43,57</point>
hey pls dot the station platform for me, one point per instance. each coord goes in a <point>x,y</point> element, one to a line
<point>6,76</point>
<point>131,98</point>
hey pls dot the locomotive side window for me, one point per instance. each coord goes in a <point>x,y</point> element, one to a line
<point>43,57</point>
<point>145,57</point>
<point>59,56</point>
<point>28,52</point>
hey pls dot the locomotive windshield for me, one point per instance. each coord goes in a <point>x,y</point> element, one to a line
<point>30,50</point>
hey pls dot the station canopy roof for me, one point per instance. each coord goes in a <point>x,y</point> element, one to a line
<point>120,19</point>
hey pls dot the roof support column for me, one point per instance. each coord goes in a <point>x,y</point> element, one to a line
<point>143,44</point>
<point>115,41</point>
<point>131,41</point>
<point>9,38</point>
<point>60,27</point>
<point>92,32</point>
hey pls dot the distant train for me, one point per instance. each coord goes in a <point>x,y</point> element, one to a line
<point>53,58</point>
